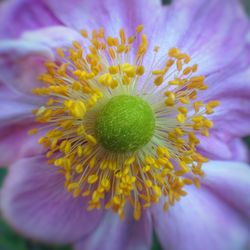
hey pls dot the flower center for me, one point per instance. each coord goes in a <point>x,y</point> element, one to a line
<point>125,124</point>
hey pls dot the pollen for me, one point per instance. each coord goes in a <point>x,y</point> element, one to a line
<point>122,131</point>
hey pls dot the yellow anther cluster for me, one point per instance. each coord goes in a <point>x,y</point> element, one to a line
<point>81,80</point>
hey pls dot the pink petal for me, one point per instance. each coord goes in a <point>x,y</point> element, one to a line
<point>111,14</point>
<point>220,146</point>
<point>233,115</point>
<point>17,16</point>
<point>201,221</point>
<point>35,202</point>
<point>230,83</point>
<point>22,15</point>
<point>16,119</point>
<point>113,233</point>
<point>232,89</point>
<point>15,143</point>
<point>215,34</point>
<point>231,182</point>
<point>15,107</point>
<point>214,217</point>
<point>22,60</point>
<point>212,32</point>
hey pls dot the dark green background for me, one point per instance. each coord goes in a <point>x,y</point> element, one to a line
<point>9,240</point>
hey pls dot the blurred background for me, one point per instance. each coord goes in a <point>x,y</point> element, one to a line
<point>10,240</point>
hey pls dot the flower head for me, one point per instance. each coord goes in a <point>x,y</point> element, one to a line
<point>126,115</point>
<point>120,130</point>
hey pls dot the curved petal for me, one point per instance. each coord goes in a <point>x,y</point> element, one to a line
<point>233,115</point>
<point>111,14</point>
<point>231,182</point>
<point>231,87</point>
<point>21,61</point>
<point>15,143</point>
<point>233,80</point>
<point>212,32</point>
<point>15,107</point>
<point>213,218</point>
<point>16,119</point>
<point>17,16</point>
<point>216,35</point>
<point>123,235</point>
<point>221,146</point>
<point>200,221</point>
<point>35,202</point>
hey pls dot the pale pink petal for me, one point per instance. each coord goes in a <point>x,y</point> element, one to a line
<point>222,146</point>
<point>231,182</point>
<point>17,16</point>
<point>233,115</point>
<point>22,60</point>
<point>213,217</point>
<point>35,202</point>
<point>110,14</point>
<point>226,32</point>
<point>15,107</point>
<point>15,143</point>
<point>201,221</point>
<point>233,80</point>
<point>113,233</point>
<point>232,89</point>
<point>16,119</point>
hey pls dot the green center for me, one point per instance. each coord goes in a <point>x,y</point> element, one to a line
<point>125,124</point>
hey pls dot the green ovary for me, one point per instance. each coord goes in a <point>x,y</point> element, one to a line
<point>125,124</point>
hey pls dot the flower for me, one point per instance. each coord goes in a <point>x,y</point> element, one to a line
<point>117,142</point>
<point>121,97</point>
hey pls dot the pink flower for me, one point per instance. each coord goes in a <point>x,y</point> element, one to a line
<point>116,130</point>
